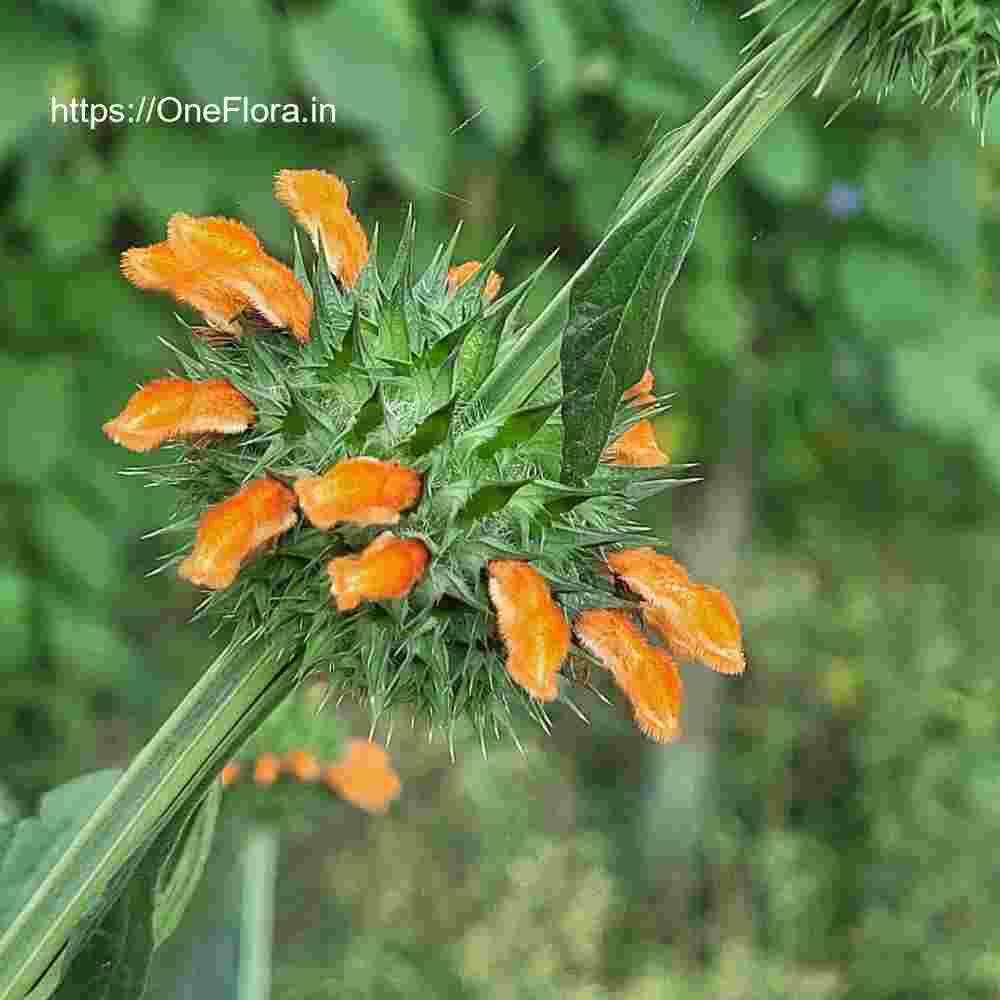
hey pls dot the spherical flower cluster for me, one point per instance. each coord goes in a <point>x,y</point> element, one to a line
<point>350,484</point>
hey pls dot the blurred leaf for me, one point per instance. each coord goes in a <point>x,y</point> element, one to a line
<point>554,45</point>
<point>491,73</point>
<point>787,162</point>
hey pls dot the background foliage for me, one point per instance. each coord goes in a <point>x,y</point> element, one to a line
<point>826,828</point>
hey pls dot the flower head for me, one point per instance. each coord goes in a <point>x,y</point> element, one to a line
<point>637,447</point>
<point>233,529</point>
<point>364,776</point>
<point>358,491</point>
<point>646,675</point>
<point>533,627</point>
<point>386,569</point>
<point>318,202</point>
<point>461,273</point>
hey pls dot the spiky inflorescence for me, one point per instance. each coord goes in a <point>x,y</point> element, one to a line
<point>409,487</point>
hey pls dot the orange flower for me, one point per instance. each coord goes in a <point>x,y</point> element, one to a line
<point>266,770</point>
<point>302,765</point>
<point>700,623</point>
<point>696,621</point>
<point>642,392</point>
<point>175,407</point>
<point>638,447</point>
<point>461,273</point>
<point>359,491</point>
<point>646,675</point>
<point>364,776</point>
<point>231,530</point>
<point>532,626</point>
<point>387,569</point>
<point>157,268</point>
<point>231,773</point>
<point>229,254</point>
<point>318,201</point>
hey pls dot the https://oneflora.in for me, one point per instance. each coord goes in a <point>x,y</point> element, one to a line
<point>344,483</point>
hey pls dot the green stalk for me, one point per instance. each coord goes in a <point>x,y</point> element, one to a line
<point>260,868</point>
<point>179,762</point>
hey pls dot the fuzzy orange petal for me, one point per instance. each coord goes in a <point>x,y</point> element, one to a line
<point>647,676</point>
<point>266,770</point>
<point>302,764</point>
<point>218,408</point>
<point>650,574</point>
<point>152,415</point>
<point>641,391</point>
<point>318,202</point>
<point>228,254</point>
<point>386,569</point>
<point>230,774</point>
<point>699,623</point>
<point>532,625</point>
<point>359,491</point>
<point>637,447</point>
<point>461,273</point>
<point>364,776</point>
<point>233,529</point>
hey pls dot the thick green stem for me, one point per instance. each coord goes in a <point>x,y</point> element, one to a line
<point>260,867</point>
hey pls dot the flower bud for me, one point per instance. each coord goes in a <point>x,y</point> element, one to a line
<point>461,273</point>
<point>318,202</point>
<point>230,774</point>
<point>359,491</point>
<point>302,765</point>
<point>642,392</point>
<point>647,676</point>
<point>386,569</point>
<point>266,770</point>
<point>364,776</point>
<point>532,625</point>
<point>232,529</point>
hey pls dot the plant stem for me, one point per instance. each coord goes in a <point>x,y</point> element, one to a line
<point>260,864</point>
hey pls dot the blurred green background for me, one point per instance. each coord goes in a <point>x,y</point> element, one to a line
<point>827,828</point>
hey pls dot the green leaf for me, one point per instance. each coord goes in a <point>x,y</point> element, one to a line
<point>442,349</point>
<point>552,40</point>
<point>488,500</point>
<point>327,305</point>
<point>476,356</point>
<point>491,74</point>
<point>431,431</point>
<point>370,416</point>
<point>517,429</point>
<point>393,343</point>
<point>342,360</point>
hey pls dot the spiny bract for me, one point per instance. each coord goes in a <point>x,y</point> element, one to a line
<point>390,372</point>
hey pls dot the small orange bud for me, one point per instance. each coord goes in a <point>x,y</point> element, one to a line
<point>364,776</point>
<point>642,392</point>
<point>231,773</point>
<point>234,528</point>
<point>646,675</point>
<point>360,491</point>
<point>229,254</point>
<point>649,573</point>
<point>638,447</point>
<point>302,765</point>
<point>318,202</point>
<point>461,273</point>
<point>386,569</point>
<point>175,407</point>
<point>700,623</point>
<point>266,770</point>
<point>532,625</point>
<point>158,268</point>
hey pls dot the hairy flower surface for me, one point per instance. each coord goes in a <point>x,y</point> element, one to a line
<point>175,407</point>
<point>233,529</point>
<point>647,676</point>
<point>374,413</point>
<point>364,776</point>
<point>534,629</point>
<point>637,446</point>
<point>359,491</point>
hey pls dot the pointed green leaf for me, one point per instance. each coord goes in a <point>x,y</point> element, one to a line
<point>402,264</point>
<point>299,267</point>
<point>488,500</point>
<point>476,356</point>
<point>517,429</point>
<point>370,416</point>
<point>342,360</point>
<point>328,305</point>
<point>442,349</point>
<point>393,341</point>
<point>431,431</point>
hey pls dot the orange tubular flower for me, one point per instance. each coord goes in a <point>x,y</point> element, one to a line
<point>175,407</point>
<point>318,202</point>
<point>387,569</point>
<point>461,273</point>
<point>234,528</point>
<point>157,268</point>
<point>266,770</point>
<point>532,625</point>
<point>637,447</point>
<point>359,491</point>
<point>229,254</point>
<point>364,776</point>
<point>302,764</point>
<point>697,622</point>
<point>646,675</point>
<point>231,774</point>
